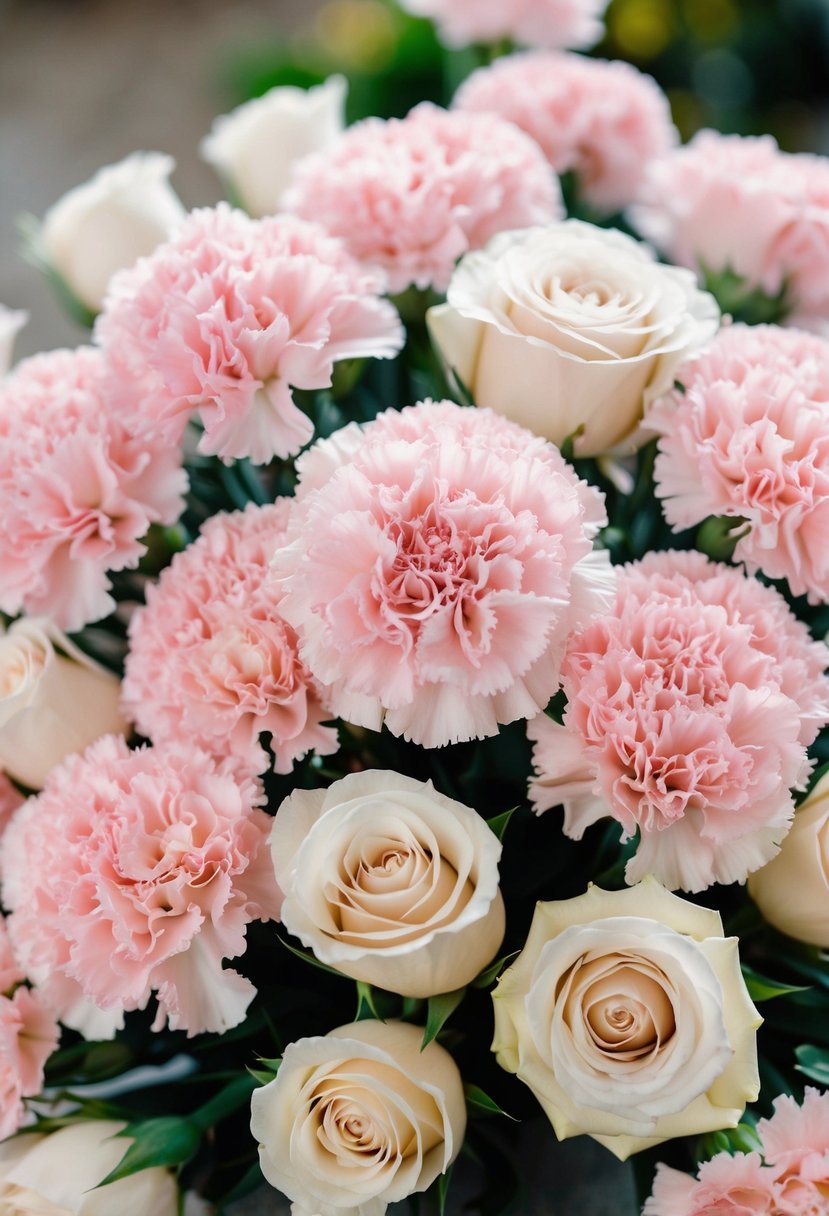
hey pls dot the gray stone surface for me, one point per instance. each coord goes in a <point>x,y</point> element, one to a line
<point>83,83</point>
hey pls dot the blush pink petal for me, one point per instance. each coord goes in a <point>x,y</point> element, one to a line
<point>603,121</point>
<point>212,661</point>
<point>228,317</point>
<point>132,860</point>
<point>78,487</point>
<point>689,709</point>
<point>438,557</point>
<point>553,23</point>
<point>412,195</point>
<point>28,1036</point>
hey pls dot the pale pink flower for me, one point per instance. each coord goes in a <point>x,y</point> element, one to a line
<point>689,711</point>
<point>728,1185</point>
<point>731,202</point>
<point>747,437</point>
<point>796,1138</point>
<point>553,23</point>
<point>439,558</point>
<point>10,970</point>
<point>603,121</point>
<point>28,1036</point>
<point>228,317</point>
<point>78,489</point>
<point>413,194</point>
<point>212,662</point>
<point>136,873</point>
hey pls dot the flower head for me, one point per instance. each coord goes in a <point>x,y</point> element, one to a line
<point>554,23</point>
<point>228,317</point>
<point>135,873</point>
<point>438,559</point>
<point>413,194</point>
<point>747,437</point>
<point>603,121</point>
<point>211,661</point>
<point>689,710</point>
<point>78,488</point>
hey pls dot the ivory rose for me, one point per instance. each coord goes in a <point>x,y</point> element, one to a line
<point>58,1175</point>
<point>11,322</point>
<point>390,882</point>
<point>359,1118</point>
<point>53,700</point>
<point>627,1015</point>
<point>792,891</point>
<point>118,216</point>
<point>254,147</point>
<point>570,326</point>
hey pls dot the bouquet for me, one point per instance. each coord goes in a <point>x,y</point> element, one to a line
<point>413,693</point>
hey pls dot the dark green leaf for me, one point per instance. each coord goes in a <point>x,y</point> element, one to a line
<point>478,1100</point>
<point>168,1140</point>
<point>761,988</point>
<point>499,823</point>
<point>366,1004</point>
<point>443,1190</point>
<point>813,1062</point>
<point>491,973</point>
<point>440,1008</point>
<point>309,958</point>
<point>261,1076</point>
<point>224,1103</point>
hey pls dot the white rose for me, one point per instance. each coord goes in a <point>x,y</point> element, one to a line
<point>11,322</point>
<point>570,326</point>
<point>255,146</point>
<point>359,1118</point>
<point>627,1015</point>
<point>108,223</point>
<point>792,891</point>
<point>390,882</point>
<point>53,700</point>
<point>54,1175</point>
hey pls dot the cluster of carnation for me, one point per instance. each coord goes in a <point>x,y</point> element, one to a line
<point>79,487</point>
<point>228,317</point>
<point>438,558</point>
<point>790,1178</point>
<point>734,203</point>
<point>28,1036</point>
<point>689,711</point>
<point>135,873</point>
<point>211,661</point>
<point>411,195</point>
<point>602,121</point>
<point>746,436</point>
<point>554,23</point>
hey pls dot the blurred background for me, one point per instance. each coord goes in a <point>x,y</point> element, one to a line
<point>84,82</point>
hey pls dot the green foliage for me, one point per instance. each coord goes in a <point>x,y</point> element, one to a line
<point>439,1009</point>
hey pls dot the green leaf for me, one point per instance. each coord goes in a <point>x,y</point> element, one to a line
<point>440,1009</point>
<point>761,988</point>
<point>261,1076</point>
<point>491,973</point>
<point>309,958</point>
<point>224,1103</point>
<point>813,1062</point>
<point>168,1140</point>
<point>366,1004</point>
<point>478,1100</point>
<point>498,825</point>
<point>570,442</point>
<point>443,1190</point>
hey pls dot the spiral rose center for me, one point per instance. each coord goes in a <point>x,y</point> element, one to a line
<point>624,1006</point>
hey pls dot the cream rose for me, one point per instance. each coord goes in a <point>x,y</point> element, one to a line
<point>54,1175</point>
<point>11,322</point>
<point>570,326</point>
<point>122,213</point>
<point>359,1118</point>
<point>53,700</point>
<point>627,1015</point>
<point>254,147</point>
<point>390,882</point>
<point>792,891</point>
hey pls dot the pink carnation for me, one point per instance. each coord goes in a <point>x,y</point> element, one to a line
<point>689,711</point>
<point>748,438</point>
<point>229,316</point>
<point>212,662</point>
<point>135,873</point>
<point>790,1179</point>
<point>28,1036</point>
<point>553,23</point>
<point>413,194</point>
<point>440,556</point>
<point>603,121</point>
<point>739,203</point>
<point>78,489</point>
